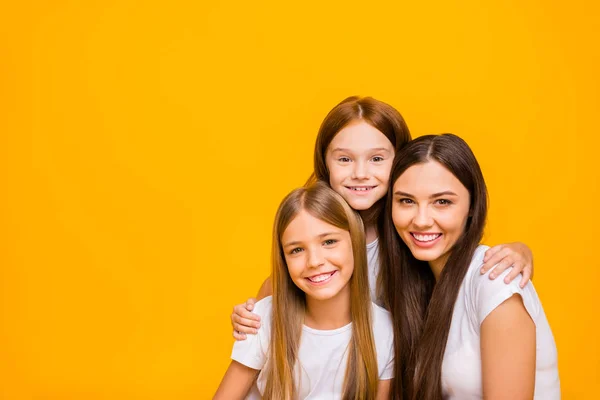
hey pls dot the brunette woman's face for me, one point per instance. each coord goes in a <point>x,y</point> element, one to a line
<point>430,210</point>
<point>359,160</point>
<point>319,256</point>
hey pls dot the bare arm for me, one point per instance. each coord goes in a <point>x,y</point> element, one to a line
<point>243,320</point>
<point>503,256</point>
<point>236,383</point>
<point>508,352</point>
<point>266,289</point>
<point>383,389</point>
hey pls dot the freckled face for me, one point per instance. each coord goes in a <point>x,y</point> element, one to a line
<point>319,256</point>
<point>430,211</point>
<point>359,160</point>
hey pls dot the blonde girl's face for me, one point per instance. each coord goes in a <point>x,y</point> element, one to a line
<point>359,160</point>
<point>319,256</point>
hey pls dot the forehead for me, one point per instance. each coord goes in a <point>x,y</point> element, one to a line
<point>304,227</point>
<point>359,135</point>
<point>428,178</point>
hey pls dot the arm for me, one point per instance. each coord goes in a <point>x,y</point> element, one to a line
<point>383,389</point>
<point>516,255</point>
<point>508,352</point>
<point>243,320</point>
<point>236,383</point>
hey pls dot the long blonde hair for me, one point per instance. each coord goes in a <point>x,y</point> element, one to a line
<point>289,302</point>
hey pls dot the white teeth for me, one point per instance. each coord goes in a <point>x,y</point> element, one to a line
<point>426,238</point>
<point>361,189</point>
<point>320,278</point>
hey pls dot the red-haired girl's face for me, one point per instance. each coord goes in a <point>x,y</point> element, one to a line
<point>359,160</point>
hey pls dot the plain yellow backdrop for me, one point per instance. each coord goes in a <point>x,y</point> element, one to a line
<point>145,145</point>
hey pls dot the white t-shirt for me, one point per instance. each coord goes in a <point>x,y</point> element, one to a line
<point>477,298</point>
<point>373,268</point>
<point>322,355</point>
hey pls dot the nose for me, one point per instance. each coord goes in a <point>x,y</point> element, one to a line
<point>360,170</point>
<point>315,258</point>
<point>423,218</point>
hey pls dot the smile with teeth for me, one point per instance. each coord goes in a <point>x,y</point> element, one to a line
<point>427,237</point>
<point>361,188</point>
<point>321,277</point>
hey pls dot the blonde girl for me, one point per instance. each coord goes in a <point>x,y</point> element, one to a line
<point>321,335</point>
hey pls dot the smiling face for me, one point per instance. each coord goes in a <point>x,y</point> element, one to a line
<point>318,256</point>
<point>430,210</point>
<point>359,159</point>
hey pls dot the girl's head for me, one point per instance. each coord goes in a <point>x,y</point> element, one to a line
<point>434,219</point>
<point>318,252</point>
<point>318,244</point>
<point>355,148</point>
<point>438,197</point>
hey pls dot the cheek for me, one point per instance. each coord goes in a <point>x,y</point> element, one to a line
<point>295,266</point>
<point>454,222</point>
<point>384,174</point>
<point>401,218</point>
<point>335,175</point>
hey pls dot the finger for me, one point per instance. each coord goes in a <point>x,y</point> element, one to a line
<point>239,336</point>
<point>490,252</point>
<point>514,272</point>
<point>250,323</point>
<point>526,276</point>
<point>241,311</point>
<point>500,268</point>
<point>250,304</point>
<point>495,259</point>
<point>244,329</point>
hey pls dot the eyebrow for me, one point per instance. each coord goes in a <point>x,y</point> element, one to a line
<point>349,150</point>
<point>322,235</point>
<point>433,196</point>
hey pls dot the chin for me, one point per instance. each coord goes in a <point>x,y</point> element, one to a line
<point>424,255</point>
<point>360,205</point>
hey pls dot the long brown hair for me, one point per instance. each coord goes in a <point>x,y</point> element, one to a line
<point>376,113</point>
<point>421,307</point>
<point>289,302</point>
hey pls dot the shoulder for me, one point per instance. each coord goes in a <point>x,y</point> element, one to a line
<point>483,293</point>
<point>252,352</point>
<point>264,307</point>
<point>381,316</point>
<point>383,326</point>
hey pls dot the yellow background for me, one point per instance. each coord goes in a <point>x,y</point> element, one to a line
<point>145,146</point>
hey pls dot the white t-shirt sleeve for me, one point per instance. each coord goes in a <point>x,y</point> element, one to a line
<point>486,294</point>
<point>384,342</point>
<point>252,352</point>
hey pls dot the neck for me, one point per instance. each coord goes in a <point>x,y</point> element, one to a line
<point>437,266</point>
<point>330,313</point>
<point>370,230</point>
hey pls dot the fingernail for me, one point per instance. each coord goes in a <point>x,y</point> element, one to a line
<point>482,270</point>
<point>254,331</point>
<point>492,275</point>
